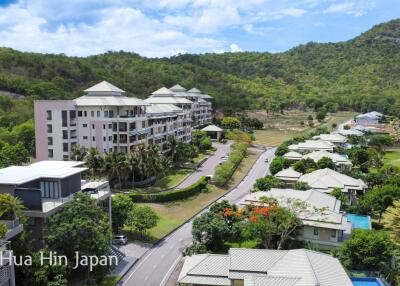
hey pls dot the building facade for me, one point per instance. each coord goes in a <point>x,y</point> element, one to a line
<point>106,119</point>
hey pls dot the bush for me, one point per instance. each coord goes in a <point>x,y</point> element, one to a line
<point>172,195</point>
<point>266,183</point>
<point>278,164</point>
<point>225,171</point>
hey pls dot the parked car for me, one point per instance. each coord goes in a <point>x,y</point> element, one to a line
<point>266,160</point>
<point>120,239</point>
<point>225,157</point>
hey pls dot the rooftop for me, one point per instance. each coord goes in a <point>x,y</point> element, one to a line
<point>289,173</point>
<point>312,145</point>
<point>105,87</point>
<point>178,88</point>
<point>163,92</point>
<point>264,267</point>
<point>16,175</point>
<point>293,155</point>
<point>167,100</point>
<point>194,90</point>
<point>212,128</point>
<point>98,100</point>
<point>336,158</point>
<point>334,138</point>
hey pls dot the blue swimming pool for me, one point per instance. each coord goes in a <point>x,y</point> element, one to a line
<point>359,221</point>
<point>368,281</point>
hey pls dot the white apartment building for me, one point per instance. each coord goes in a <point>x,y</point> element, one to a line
<point>108,120</point>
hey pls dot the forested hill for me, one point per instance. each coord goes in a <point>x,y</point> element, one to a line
<point>360,74</point>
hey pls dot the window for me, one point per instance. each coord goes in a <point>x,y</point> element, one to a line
<point>85,113</point>
<point>98,113</point>
<point>106,113</point>
<point>111,114</point>
<point>65,134</point>
<point>110,149</point>
<point>94,138</point>
<point>92,113</point>
<point>50,189</point>
<point>315,231</point>
<point>79,113</point>
<point>333,233</point>
<point>104,138</point>
<point>49,140</point>
<point>49,115</point>
<point>84,137</point>
<point>110,126</point>
<point>64,118</point>
<point>109,138</point>
<point>65,157</point>
<point>49,128</point>
<point>65,147</point>
<point>104,126</point>
<point>50,153</point>
<point>84,125</point>
<point>143,124</point>
<point>93,126</point>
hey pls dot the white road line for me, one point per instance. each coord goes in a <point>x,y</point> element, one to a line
<point>140,264</point>
<point>170,271</point>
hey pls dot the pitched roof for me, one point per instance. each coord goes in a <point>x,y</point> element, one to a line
<point>104,86</point>
<point>163,92</point>
<point>337,138</point>
<point>264,267</point>
<point>178,88</point>
<point>293,155</point>
<point>352,131</point>
<point>336,158</point>
<point>212,128</point>
<point>98,100</point>
<point>288,173</point>
<point>163,109</point>
<point>327,179</point>
<point>205,96</point>
<point>372,115</point>
<point>167,100</point>
<point>312,145</point>
<point>194,90</point>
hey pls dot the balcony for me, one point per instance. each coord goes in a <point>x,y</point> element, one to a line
<point>14,227</point>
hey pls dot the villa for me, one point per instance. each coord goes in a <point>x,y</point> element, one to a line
<point>341,162</point>
<point>370,118</point>
<point>293,156</point>
<point>312,145</point>
<point>322,221</point>
<point>44,187</point>
<point>263,267</point>
<point>289,175</point>
<point>326,180</point>
<point>336,139</point>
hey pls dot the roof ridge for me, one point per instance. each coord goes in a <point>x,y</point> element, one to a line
<point>205,256</point>
<point>311,266</point>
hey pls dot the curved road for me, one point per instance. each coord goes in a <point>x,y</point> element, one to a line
<point>155,267</point>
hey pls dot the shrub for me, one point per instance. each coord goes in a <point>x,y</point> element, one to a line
<point>172,195</point>
<point>278,164</point>
<point>268,182</point>
<point>225,171</point>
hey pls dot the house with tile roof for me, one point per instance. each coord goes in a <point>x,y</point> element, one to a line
<point>342,163</point>
<point>289,175</point>
<point>333,138</point>
<point>323,223</point>
<point>263,267</point>
<point>293,155</point>
<point>312,145</point>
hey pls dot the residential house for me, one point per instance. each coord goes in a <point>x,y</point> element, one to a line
<point>370,118</point>
<point>342,163</point>
<point>263,267</point>
<point>336,139</point>
<point>293,156</point>
<point>312,145</point>
<point>289,175</point>
<point>350,132</point>
<point>44,187</point>
<point>213,131</point>
<point>323,223</point>
<point>326,180</point>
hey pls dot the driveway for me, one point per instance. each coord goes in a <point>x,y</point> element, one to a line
<point>155,267</point>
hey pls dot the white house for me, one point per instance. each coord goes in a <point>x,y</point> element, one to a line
<point>336,139</point>
<point>370,118</point>
<point>340,161</point>
<point>312,145</point>
<point>293,155</point>
<point>288,175</point>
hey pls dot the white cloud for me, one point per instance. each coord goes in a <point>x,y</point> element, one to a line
<point>355,8</point>
<point>235,48</point>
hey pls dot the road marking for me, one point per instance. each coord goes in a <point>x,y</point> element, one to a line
<point>140,264</point>
<point>170,271</point>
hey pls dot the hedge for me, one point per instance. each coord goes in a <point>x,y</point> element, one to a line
<point>172,195</point>
<point>225,171</point>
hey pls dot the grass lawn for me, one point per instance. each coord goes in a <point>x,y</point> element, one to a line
<point>200,157</point>
<point>279,128</point>
<point>392,157</point>
<point>176,213</point>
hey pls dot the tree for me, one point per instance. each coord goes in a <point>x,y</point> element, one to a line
<point>230,123</point>
<point>301,186</point>
<point>282,150</point>
<point>93,160</point>
<point>391,221</point>
<point>278,164</point>
<point>24,134</point>
<point>338,194</point>
<point>326,162</point>
<point>142,218</point>
<point>10,207</point>
<point>121,206</point>
<point>13,155</point>
<point>381,142</point>
<point>310,117</point>
<point>304,165</point>
<point>78,153</point>
<point>211,230</point>
<point>268,182</point>
<point>81,225</point>
<point>115,165</point>
<point>321,114</point>
<point>367,250</point>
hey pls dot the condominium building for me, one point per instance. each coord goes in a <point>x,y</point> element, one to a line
<point>106,119</point>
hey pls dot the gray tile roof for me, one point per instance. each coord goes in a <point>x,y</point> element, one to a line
<point>270,281</point>
<point>104,86</point>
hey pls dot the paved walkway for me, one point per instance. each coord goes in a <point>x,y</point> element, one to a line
<point>156,266</point>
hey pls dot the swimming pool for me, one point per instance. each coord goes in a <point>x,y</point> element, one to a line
<point>359,221</point>
<point>368,281</point>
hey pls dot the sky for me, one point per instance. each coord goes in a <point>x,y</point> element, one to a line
<point>162,28</point>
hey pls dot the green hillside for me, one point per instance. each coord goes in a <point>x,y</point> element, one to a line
<point>361,74</point>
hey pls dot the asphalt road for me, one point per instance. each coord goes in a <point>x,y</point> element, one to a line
<point>155,267</point>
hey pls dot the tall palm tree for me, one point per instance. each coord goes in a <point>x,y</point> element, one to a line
<point>141,152</point>
<point>78,153</point>
<point>132,164</point>
<point>173,151</point>
<point>93,160</point>
<point>115,165</point>
<point>10,207</point>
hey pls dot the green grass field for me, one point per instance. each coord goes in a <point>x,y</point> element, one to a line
<point>174,214</point>
<point>392,157</point>
<point>279,128</point>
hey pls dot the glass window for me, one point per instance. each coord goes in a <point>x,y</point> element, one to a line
<point>104,138</point>
<point>94,138</point>
<point>106,113</point>
<point>98,113</point>
<point>315,231</point>
<point>92,113</point>
<point>111,114</point>
<point>104,126</point>
<point>333,233</point>
<point>49,115</point>
<point>49,140</point>
<point>64,118</point>
<point>65,134</point>
<point>79,113</point>
<point>85,137</point>
<point>84,125</point>
<point>50,153</point>
<point>65,147</point>
<point>49,128</point>
<point>85,113</point>
<point>92,126</point>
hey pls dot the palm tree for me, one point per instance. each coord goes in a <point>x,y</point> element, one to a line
<point>173,148</point>
<point>78,153</point>
<point>141,153</point>
<point>152,165</point>
<point>132,162</point>
<point>115,165</point>
<point>10,207</point>
<point>93,160</point>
